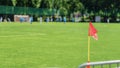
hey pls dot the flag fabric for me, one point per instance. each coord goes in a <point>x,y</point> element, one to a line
<point>92,31</point>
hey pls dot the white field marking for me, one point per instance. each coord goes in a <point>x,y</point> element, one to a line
<point>52,67</point>
<point>117,67</point>
<point>20,35</point>
<point>33,34</point>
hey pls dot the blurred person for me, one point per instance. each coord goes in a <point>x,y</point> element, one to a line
<point>1,18</point>
<point>40,19</point>
<point>64,19</point>
<point>31,20</point>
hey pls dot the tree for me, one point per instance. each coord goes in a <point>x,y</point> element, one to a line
<point>36,3</point>
<point>14,2</point>
<point>6,2</point>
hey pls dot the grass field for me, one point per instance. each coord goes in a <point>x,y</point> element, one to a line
<point>55,45</point>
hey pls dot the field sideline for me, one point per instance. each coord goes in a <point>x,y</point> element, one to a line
<point>55,45</point>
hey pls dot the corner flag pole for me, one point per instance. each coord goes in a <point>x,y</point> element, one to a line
<point>88,66</point>
<point>88,48</point>
<point>91,32</point>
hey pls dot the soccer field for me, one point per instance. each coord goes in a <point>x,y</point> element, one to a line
<point>56,45</point>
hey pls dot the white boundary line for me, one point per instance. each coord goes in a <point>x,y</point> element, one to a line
<point>20,35</point>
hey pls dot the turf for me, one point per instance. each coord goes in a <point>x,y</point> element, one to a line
<point>55,45</point>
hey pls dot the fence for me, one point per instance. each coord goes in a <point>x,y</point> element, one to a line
<point>102,64</point>
<point>26,10</point>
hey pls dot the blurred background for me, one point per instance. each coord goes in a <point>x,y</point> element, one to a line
<point>58,10</point>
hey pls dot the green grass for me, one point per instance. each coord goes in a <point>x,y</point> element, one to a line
<point>55,45</point>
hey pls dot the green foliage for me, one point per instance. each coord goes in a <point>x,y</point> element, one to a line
<point>14,2</point>
<point>103,8</point>
<point>63,11</point>
<point>36,3</point>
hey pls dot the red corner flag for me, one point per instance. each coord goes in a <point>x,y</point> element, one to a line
<point>92,31</point>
